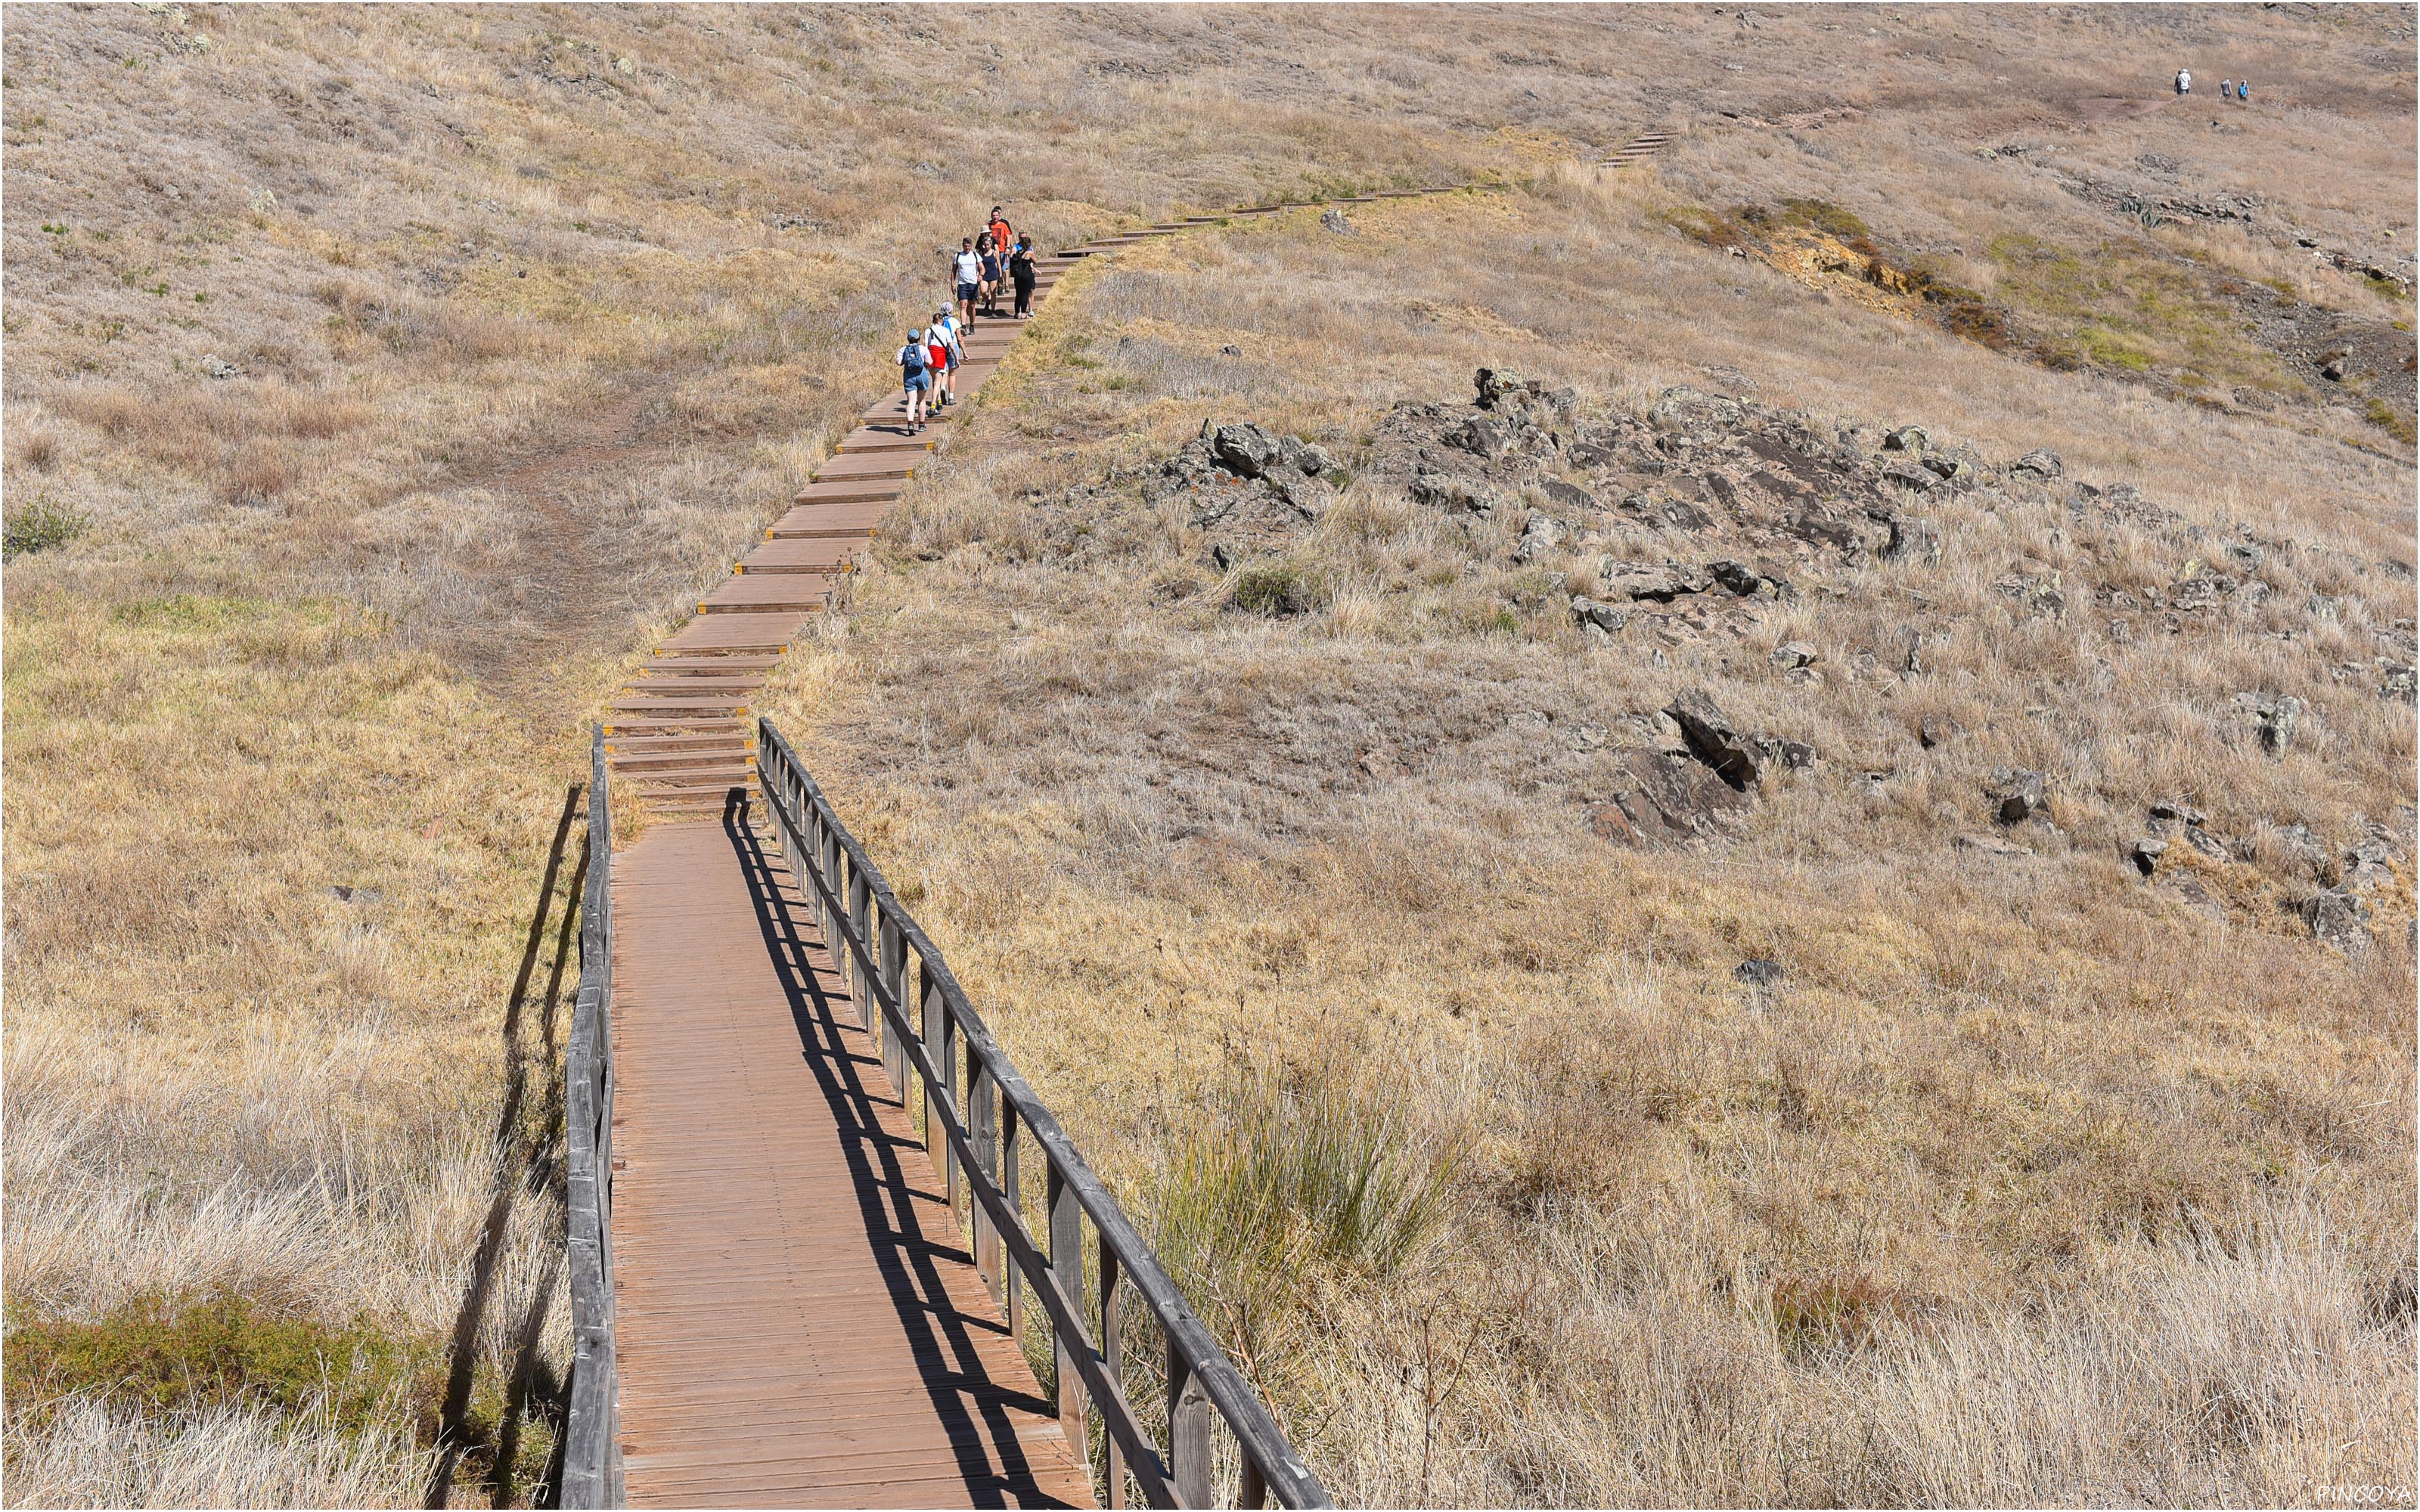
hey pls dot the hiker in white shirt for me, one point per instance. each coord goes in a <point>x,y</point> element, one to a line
<point>944,334</point>
<point>2184,81</point>
<point>966,273</point>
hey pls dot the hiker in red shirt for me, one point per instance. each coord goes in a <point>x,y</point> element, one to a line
<point>1001,239</point>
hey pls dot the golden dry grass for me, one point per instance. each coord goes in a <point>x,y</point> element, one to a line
<point>2035,1129</point>
<point>531,343</point>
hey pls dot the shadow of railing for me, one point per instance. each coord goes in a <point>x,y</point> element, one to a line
<point>529,1157</point>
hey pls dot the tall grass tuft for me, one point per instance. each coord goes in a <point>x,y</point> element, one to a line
<point>1288,1168</point>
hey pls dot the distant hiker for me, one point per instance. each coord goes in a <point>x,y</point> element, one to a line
<point>937,353</point>
<point>2226,90</point>
<point>1021,273</point>
<point>947,328</point>
<point>967,274</point>
<point>1001,239</point>
<point>2184,81</point>
<point>2243,90</point>
<point>991,253</point>
<point>915,378</point>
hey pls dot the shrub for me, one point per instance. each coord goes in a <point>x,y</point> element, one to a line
<point>170,1355</point>
<point>1279,590</point>
<point>259,474</point>
<point>1283,1171</point>
<point>1825,217</point>
<point>40,525</point>
<point>1814,1314</point>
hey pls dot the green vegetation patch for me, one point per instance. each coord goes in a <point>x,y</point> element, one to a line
<point>172,1355</point>
<point>41,525</point>
<point>1279,590</point>
<point>1824,216</point>
<point>1704,225</point>
<point>2392,421</point>
<point>2131,310</point>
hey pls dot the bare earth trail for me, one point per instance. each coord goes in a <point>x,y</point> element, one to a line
<point>800,1322</point>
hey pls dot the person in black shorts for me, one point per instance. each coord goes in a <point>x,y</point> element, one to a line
<point>1021,273</point>
<point>991,257</point>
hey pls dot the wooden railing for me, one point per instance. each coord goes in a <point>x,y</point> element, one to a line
<point>592,1447</point>
<point>979,1117</point>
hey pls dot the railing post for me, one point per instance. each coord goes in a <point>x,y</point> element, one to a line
<point>860,905</point>
<point>832,941</point>
<point>1113,1362</point>
<point>983,1101</point>
<point>1008,1185</point>
<point>894,981</point>
<point>1066,1219</point>
<point>1188,1431</point>
<point>939,1047</point>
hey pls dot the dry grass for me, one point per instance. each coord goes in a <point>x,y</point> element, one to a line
<point>2006,1134</point>
<point>520,368</point>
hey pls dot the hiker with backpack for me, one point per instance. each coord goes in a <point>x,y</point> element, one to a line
<point>2184,82</point>
<point>1021,273</point>
<point>916,377</point>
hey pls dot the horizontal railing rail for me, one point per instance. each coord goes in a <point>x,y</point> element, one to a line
<point>976,1127</point>
<point>592,1446</point>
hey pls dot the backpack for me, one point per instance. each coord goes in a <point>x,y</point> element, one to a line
<point>911,357</point>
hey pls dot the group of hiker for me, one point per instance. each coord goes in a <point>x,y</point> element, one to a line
<point>2227,88</point>
<point>994,260</point>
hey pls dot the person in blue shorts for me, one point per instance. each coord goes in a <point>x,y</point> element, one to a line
<point>916,377</point>
<point>966,272</point>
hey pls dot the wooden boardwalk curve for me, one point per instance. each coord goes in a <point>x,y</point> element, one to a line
<point>787,1311</point>
<point>798,1321</point>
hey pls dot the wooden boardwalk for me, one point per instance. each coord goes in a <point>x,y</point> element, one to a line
<point>799,1323</point>
<point>795,1318</point>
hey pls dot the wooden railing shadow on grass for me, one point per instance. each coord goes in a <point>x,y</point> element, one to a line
<point>528,1136</point>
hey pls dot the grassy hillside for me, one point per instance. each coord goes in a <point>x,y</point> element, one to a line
<point>379,382</point>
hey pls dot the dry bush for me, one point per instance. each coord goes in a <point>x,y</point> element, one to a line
<point>259,473</point>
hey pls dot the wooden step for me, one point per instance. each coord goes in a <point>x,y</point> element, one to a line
<point>882,438</point>
<point>755,593</point>
<point>693,685</point>
<point>729,777</point>
<point>736,632</point>
<point>681,748</point>
<point>835,522</point>
<point>673,766</point>
<point>740,663</point>
<point>865,467</point>
<point>888,412</point>
<point>727,706</point>
<point>868,491</point>
<point>823,554</point>
<point>619,725</point>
